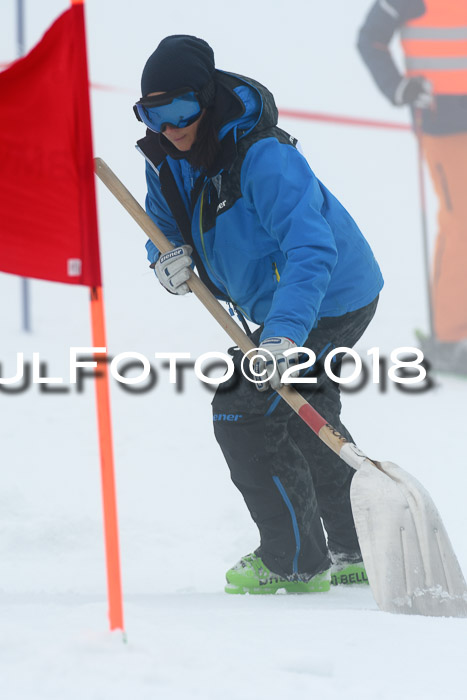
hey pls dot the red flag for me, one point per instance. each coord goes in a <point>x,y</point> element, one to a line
<point>48,219</point>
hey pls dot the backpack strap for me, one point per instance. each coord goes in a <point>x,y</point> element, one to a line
<point>176,205</point>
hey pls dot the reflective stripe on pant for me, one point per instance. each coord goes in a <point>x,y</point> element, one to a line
<point>288,478</point>
<point>447,159</point>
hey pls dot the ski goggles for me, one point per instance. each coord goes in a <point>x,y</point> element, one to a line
<point>179,108</point>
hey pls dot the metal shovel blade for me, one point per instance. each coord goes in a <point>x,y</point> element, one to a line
<point>410,563</point>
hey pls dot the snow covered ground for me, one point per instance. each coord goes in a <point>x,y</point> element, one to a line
<point>182,522</point>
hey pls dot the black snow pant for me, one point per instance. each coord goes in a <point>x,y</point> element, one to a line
<point>290,480</point>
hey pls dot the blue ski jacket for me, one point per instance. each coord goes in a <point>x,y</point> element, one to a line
<point>268,236</point>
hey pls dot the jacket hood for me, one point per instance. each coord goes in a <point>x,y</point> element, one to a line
<point>241,105</point>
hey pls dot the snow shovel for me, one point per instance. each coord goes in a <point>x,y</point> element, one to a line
<point>410,563</point>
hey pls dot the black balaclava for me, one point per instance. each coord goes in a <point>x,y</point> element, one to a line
<point>180,61</point>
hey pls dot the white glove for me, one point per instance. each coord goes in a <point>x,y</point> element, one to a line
<point>417,92</point>
<point>273,363</point>
<point>173,269</point>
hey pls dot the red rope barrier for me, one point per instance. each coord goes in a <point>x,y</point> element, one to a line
<point>111,88</point>
<point>291,113</point>
<point>349,121</point>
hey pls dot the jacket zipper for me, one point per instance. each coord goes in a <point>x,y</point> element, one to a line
<point>234,304</point>
<point>276,271</point>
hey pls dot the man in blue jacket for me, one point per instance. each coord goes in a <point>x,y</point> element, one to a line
<point>238,200</point>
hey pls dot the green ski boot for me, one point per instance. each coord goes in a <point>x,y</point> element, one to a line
<point>250,575</point>
<point>347,570</point>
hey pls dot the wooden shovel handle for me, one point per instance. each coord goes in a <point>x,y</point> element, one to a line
<point>333,439</point>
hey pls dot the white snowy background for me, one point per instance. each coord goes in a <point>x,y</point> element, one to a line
<point>182,523</point>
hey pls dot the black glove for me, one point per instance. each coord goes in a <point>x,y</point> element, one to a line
<point>417,92</point>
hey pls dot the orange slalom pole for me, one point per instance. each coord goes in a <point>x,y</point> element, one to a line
<point>104,424</point>
<point>112,550</point>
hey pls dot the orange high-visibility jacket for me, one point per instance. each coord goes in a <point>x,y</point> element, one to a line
<point>435,46</point>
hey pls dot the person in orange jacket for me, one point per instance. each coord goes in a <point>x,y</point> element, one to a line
<point>434,40</point>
